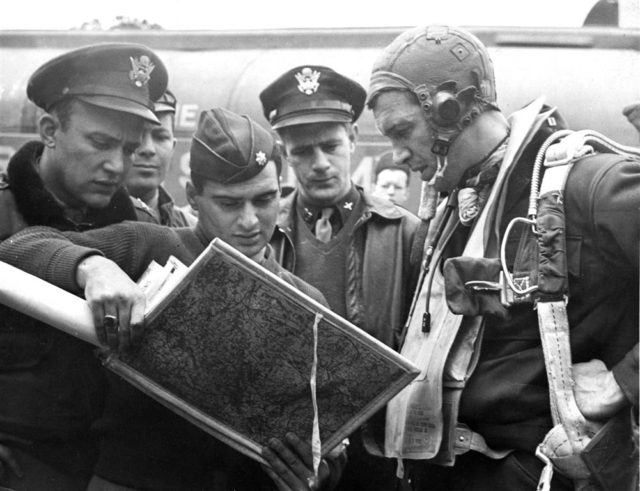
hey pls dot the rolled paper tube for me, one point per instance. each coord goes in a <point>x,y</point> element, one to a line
<point>47,303</point>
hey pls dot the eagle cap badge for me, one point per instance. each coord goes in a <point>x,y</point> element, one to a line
<point>141,69</point>
<point>308,81</point>
<point>261,158</point>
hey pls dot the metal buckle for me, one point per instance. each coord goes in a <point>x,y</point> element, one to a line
<point>520,287</point>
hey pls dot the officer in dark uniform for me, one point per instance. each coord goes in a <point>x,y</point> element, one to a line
<point>354,247</point>
<point>96,100</point>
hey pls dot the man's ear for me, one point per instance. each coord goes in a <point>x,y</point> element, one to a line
<point>353,136</point>
<point>48,126</point>
<point>190,189</point>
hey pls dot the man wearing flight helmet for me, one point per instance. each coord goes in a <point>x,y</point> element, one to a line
<point>483,403</point>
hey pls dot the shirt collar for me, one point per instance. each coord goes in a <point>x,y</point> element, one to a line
<point>345,206</point>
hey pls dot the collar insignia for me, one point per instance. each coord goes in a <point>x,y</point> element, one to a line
<point>308,81</point>
<point>141,69</point>
<point>348,205</point>
<point>308,215</point>
<point>261,158</point>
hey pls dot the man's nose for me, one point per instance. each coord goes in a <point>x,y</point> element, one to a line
<point>248,217</point>
<point>118,161</point>
<point>146,148</point>
<point>320,160</point>
<point>400,155</point>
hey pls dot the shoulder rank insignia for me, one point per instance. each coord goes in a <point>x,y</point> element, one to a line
<point>261,158</point>
<point>141,69</point>
<point>308,81</point>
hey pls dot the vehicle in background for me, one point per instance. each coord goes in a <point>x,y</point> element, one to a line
<point>590,73</point>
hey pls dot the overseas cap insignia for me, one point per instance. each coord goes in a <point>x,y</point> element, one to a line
<point>308,81</point>
<point>230,148</point>
<point>261,158</point>
<point>141,69</point>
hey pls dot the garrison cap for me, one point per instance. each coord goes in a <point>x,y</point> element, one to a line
<point>118,76</point>
<point>229,148</point>
<point>312,94</point>
<point>166,104</point>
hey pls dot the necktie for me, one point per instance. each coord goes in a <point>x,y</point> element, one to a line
<point>323,225</point>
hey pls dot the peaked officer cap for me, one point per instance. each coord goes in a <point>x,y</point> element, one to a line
<point>166,104</point>
<point>312,94</point>
<point>122,77</point>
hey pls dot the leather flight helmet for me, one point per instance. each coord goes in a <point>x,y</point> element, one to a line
<point>430,56</point>
<point>449,71</point>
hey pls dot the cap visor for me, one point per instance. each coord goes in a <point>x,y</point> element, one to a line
<point>120,105</point>
<point>298,119</point>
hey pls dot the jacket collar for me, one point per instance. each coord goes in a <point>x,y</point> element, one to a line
<point>39,207</point>
<point>372,206</point>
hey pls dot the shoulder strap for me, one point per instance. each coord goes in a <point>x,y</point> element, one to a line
<point>551,301</point>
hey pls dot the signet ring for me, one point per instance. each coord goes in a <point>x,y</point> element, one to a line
<point>111,323</point>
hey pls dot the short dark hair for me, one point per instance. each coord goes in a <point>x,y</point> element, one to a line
<point>384,161</point>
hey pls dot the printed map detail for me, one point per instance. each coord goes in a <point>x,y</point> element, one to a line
<point>240,350</point>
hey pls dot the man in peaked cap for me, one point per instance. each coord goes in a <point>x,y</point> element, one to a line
<point>95,101</point>
<point>150,165</point>
<point>354,247</point>
<point>235,168</point>
<point>491,389</point>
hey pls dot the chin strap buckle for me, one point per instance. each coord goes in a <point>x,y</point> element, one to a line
<point>440,147</point>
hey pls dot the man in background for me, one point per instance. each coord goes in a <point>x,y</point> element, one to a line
<point>150,165</point>
<point>391,181</point>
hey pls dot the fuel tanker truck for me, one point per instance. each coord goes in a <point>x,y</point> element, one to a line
<point>590,73</point>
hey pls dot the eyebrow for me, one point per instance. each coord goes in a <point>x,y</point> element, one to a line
<point>390,127</point>
<point>229,196</point>
<point>316,143</point>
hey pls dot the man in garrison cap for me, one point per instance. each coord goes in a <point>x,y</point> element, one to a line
<point>354,247</point>
<point>96,100</point>
<point>235,187</point>
<point>150,165</point>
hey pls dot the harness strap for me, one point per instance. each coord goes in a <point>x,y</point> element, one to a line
<point>572,433</point>
<point>466,439</point>
<point>554,331</point>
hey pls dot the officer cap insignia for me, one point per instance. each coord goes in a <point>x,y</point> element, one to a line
<point>308,81</point>
<point>261,158</point>
<point>141,69</point>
